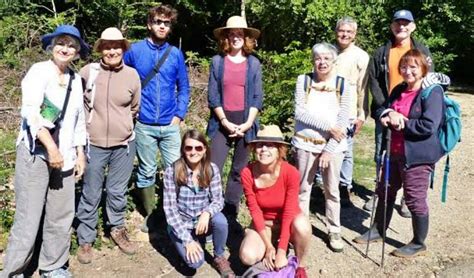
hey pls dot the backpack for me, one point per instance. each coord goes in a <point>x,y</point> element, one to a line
<point>90,87</point>
<point>449,132</point>
<point>339,84</point>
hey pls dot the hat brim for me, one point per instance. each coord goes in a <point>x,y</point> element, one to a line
<point>269,140</point>
<point>126,44</point>
<point>46,41</point>
<point>252,32</point>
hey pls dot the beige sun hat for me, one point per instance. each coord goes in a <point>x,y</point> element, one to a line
<point>111,34</point>
<point>237,22</point>
<point>270,133</point>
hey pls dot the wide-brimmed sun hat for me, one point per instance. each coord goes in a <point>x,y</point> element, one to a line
<point>66,30</point>
<point>111,34</point>
<point>237,22</point>
<point>269,133</point>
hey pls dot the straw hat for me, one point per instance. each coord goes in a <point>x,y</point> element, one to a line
<point>269,133</point>
<point>66,30</point>
<point>237,22</point>
<point>111,34</point>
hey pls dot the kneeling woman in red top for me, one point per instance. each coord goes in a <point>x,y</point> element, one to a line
<point>271,187</point>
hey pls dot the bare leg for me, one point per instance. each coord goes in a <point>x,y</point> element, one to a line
<point>301,232</point>
<point>252,249</point>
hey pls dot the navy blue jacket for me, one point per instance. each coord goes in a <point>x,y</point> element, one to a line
<point>167,93</point>
<point>253,93</point>
<point>422,145</point>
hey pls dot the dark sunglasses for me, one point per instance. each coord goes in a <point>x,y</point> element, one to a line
<point>260,145</point>
<point>190,148</point>
<point>158,22</point>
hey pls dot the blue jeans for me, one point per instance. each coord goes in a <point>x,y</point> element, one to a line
<point>347,164</point>
<point>219,229</point>
<point>149,139</point>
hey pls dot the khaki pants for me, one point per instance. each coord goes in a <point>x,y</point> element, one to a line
<point>307,164</point>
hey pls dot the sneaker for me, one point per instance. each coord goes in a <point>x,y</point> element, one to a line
<point>223,266</point>
<point>335,242</point>
<point>120,237</point>
<point>84,253</point>
<point>57,273</point>
<point>301,273</point>
<point>370,205</point>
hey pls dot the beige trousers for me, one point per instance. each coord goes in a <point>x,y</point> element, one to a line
<point>307,164</point>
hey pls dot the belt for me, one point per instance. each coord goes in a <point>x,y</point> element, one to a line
<point>311,140</point>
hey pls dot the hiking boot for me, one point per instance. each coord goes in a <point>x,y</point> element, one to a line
<point>377,229</point>
<point>57,273</point>
<point>345,194</point>
<point>301,272</point>
<point>370,205</point>
<point>404,211</point>
<point>120,237</point>
<point>84,253</point>
<point>372,235</point>
<point>417,245</point>
<point>335,242</point>
<point>223,267</point>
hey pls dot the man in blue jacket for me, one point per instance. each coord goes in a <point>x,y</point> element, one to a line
<point>384,75</point>
<point>164,100</point>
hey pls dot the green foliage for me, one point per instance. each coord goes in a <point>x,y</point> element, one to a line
<point>280,71</point>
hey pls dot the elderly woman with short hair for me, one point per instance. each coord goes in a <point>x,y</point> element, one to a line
<point>49,157</point>
<point>321,112</point>
<point>112,97</point>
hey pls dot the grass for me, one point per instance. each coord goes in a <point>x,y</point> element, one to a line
<point>364,165</point>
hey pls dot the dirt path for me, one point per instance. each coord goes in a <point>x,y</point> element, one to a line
<point>450,247</point>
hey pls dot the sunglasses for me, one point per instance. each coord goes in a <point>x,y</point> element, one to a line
<point>158,22</point>
<point>260,145</point>
<point>190,148</point>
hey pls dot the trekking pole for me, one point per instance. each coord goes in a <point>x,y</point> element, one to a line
<point>386,185</point>
<point>374,196</point>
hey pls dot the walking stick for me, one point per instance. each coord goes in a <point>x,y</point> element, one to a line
<point>374,196</point>
<point>386,185</point>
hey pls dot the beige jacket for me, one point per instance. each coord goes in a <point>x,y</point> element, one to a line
<point>114,106</point>
<point>352,64</point>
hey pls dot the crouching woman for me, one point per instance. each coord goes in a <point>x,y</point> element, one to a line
<point>193,202</point>
<point>271,187</point>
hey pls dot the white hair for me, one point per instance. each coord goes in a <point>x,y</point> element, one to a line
<point>346,20</point>
<point>74,40</point>
<point>324,47</point>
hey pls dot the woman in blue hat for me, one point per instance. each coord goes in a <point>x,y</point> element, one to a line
<point>49,157</point>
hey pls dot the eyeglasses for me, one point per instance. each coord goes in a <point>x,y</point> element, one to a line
<point>158,22</point>
<point>260,145</point>
<point>190,148</point>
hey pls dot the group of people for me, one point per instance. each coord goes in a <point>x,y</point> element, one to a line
<point>132,102</point>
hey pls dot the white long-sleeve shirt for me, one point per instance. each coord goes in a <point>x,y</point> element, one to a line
<point>319,111</point>
<point>42,81</point>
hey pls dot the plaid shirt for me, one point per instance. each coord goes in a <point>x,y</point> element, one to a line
<point>183,211</point>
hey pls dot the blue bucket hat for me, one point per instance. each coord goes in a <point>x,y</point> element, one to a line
<point>66,30</point>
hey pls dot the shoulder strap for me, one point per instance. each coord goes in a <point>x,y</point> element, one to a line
<point>156,68</point>
<point>307,85</point>
<point>66,100</point>
<point>90,86</point>
<point>340,85</point>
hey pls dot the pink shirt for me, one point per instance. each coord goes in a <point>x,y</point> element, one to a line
<point>234,85</point>
<point>402,105</point>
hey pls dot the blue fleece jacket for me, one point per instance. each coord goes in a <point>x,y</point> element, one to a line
<point>167,93</point>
